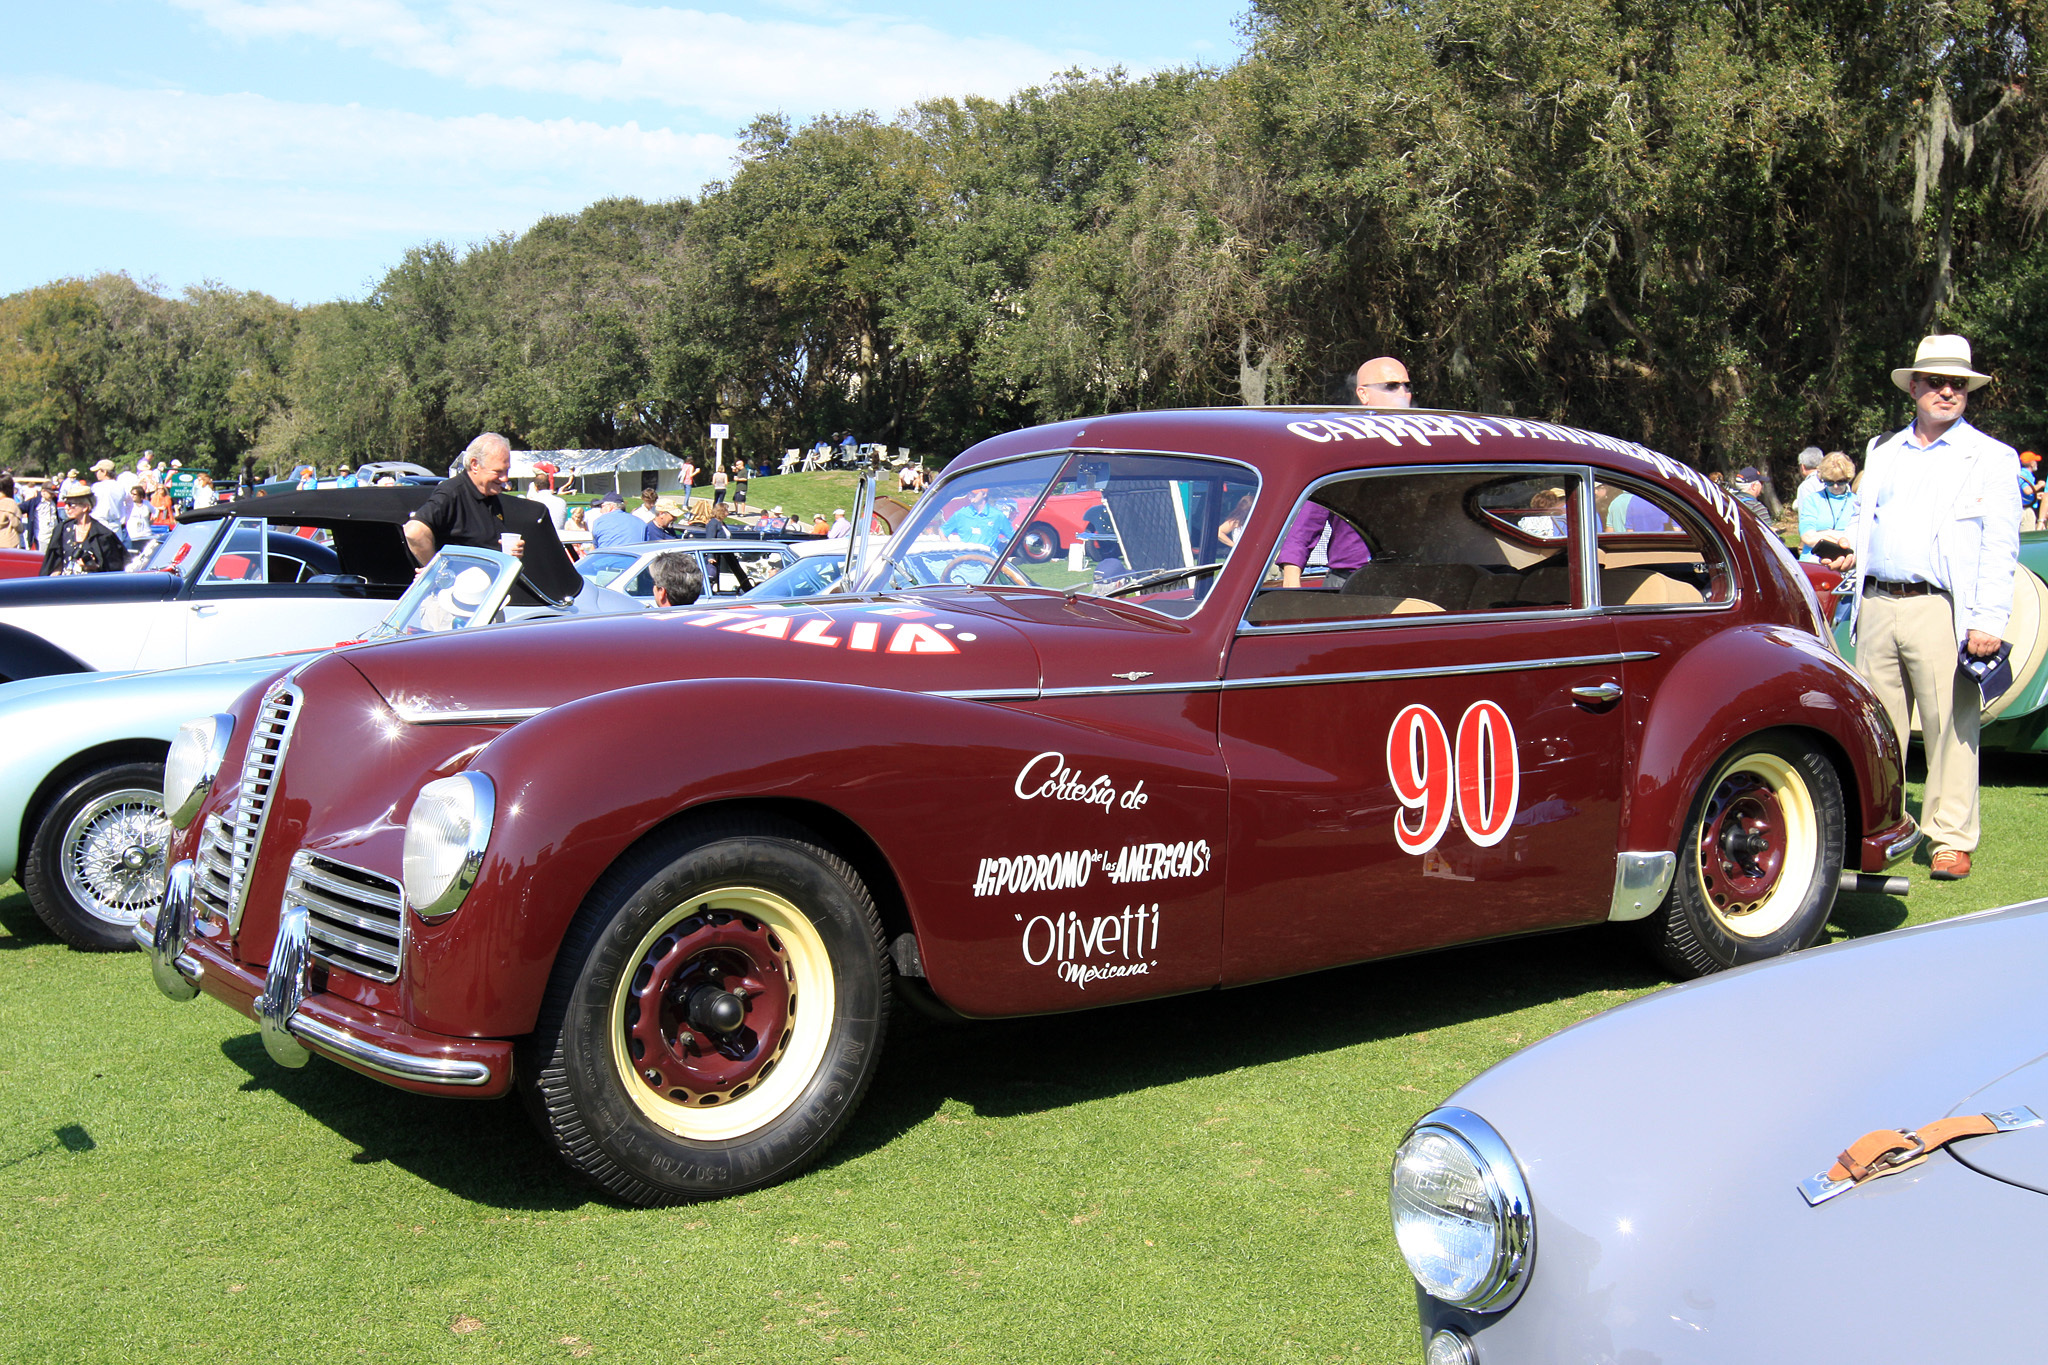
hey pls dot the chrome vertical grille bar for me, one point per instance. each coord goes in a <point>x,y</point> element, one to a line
<point>260,765</point>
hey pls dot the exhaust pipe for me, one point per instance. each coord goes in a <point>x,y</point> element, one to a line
<point>1873,884</point>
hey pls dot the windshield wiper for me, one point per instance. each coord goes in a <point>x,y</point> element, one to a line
<point>1153,580</point>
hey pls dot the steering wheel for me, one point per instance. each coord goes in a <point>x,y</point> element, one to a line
<point>952,572</point>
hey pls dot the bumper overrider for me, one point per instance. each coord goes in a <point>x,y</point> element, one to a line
<point>296,1020</point>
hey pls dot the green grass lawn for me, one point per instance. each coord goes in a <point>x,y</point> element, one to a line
<point>1200,1179</point>
<point>804,495</point>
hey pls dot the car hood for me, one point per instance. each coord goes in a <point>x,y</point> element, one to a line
<point>1664,1142</point>
<point>145,698</point>
<point>958,644</point>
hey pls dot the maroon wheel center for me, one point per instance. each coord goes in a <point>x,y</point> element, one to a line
<point>709,1008</point>
<point>1742,843</point>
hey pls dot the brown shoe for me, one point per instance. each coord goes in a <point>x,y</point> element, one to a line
<point>1951,865</point>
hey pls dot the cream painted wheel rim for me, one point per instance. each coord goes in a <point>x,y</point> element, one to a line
<point>1758,846</point>
<point>786,941</point>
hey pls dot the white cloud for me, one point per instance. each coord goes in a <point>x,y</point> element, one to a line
<point>255,166</point>
<point>729,66</point>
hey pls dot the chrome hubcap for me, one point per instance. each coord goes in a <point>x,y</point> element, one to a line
<point>113,854</point>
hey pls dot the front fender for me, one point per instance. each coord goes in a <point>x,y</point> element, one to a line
<point>1741,682</point>
<point>917,775</point>
<point>25,654</point>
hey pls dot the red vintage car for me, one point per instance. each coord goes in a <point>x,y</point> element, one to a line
<point>520,857</point>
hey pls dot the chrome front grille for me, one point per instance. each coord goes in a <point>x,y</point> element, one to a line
<point>244,825</point>
<point>212,874</point>
<point>354,917</point>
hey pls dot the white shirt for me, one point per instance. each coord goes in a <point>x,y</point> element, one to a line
<point>1950,516</point>
<point>109,503</point>
<point>558,508</point>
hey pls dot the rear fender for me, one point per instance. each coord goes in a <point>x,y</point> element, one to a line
<point>1702,709</point>
<point>25,654</point>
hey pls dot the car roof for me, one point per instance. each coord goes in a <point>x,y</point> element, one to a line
<point>1311,441</point>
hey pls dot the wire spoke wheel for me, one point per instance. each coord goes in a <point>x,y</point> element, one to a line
<point>114,854</point>
<point>95,855</point>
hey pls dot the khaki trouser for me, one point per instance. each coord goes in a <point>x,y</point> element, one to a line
<point>1906,650</point>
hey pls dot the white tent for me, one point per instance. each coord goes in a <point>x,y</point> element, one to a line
<point>584,464</point>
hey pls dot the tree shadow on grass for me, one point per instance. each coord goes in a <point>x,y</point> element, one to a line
<point>484,1151</point>
<point>1007,1068</point>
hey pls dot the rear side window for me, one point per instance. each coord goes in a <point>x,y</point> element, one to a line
<point>1655,554</point>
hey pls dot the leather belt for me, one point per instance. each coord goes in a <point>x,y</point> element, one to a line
<point>1886,588</point>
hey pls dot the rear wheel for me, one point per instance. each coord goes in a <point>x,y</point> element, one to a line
<point>714,1016</point>
<point>1760,863</point>
<point>96,856</point>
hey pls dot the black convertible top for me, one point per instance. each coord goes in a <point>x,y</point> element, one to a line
<point>343,510</point>
<point>324,507</point>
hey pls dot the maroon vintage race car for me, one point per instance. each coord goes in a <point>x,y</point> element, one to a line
<point>457,865</point>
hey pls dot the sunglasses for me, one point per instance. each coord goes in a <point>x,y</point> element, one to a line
<point>1937,382</point>
<point>1391,386</point>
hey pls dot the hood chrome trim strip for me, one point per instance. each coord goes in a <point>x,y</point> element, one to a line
<point>511,715</point>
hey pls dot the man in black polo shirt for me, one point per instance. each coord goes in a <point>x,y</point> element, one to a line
<point>465,509</point>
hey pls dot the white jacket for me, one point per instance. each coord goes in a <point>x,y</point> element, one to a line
<point>1977,546</point>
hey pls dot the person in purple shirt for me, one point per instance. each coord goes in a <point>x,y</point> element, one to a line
<point>1381,382</point>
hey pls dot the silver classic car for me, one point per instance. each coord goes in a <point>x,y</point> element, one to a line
<point>1832,1156</point>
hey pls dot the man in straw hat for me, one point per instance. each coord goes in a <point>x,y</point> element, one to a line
<point>1936,545</point>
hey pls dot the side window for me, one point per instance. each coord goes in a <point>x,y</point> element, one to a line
<point>1432,542</point>
<point>1654,554</point>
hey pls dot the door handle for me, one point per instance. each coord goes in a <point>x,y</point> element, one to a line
<point>1599,694</point>
<point>204,608</point>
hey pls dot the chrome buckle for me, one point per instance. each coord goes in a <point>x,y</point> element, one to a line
<point>284,989</point>
<point>1818,1189</point>
<point>168,937</point>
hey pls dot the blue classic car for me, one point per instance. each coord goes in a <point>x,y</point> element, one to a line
<point>81,808</point>
<point>1671,1181</point>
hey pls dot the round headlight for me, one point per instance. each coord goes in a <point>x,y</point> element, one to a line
<point>445,838</point>
<point>193,762</point>
<point>1461,1212</point>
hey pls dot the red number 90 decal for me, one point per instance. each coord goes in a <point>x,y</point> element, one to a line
<point>1483,778</point>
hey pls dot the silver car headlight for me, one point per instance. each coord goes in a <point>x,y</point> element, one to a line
<point>445,838</point>
<point>1461,1212</point>
<point>197,752</point>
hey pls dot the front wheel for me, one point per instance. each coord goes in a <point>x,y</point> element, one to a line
<point>1040,542</point>
<point>96,855</point>
<point>1760,863</point>
<point>714,1016</point>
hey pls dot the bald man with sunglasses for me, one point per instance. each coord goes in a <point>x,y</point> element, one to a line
<point>1381,382</point>
<point>1936,546</point>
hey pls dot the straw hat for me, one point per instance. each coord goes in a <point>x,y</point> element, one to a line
<point>1949,355</point>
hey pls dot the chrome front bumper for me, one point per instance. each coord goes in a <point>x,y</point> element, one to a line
<point>286,1017</point>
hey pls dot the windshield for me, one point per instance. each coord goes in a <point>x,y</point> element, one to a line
<point>463,586</point>
<point>181,547</point>
<point>1152,529</point>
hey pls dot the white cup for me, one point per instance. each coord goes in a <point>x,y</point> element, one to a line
<point>512,543</point>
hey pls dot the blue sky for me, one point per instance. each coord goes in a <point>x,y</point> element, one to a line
<point>300,146</point>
